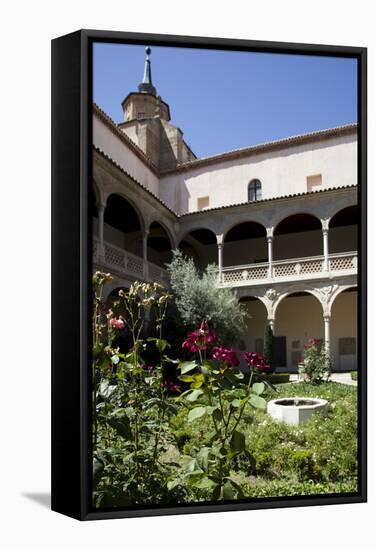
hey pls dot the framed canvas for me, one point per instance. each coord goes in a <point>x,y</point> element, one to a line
<point>209,275</point>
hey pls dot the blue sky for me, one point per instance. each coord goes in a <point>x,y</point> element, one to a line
<point>226,100</point>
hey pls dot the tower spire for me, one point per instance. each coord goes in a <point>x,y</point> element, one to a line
<point>146,85</point>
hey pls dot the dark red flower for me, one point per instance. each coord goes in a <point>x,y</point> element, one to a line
<point>198,339</point>
<point>256,360</point>
<point>226,355</point>
<point>171,386</point>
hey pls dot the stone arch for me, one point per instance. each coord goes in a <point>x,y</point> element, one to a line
<point>166,229</point>
<point>340,203</point>
<point>200,244</point>
<point>293,290</point>
<point>344,328</point>
<point>297,235</point>
<point>159,244</point>
<point>113,285</point>
<point>255,322</point>
<point>136,208</point>
<point>282,213</point>
<point>238,219</point>
<point>123,224</point>
<point>298,318</point>
<point>343,230</point>
<point>248,244</point>
<point>336,293</point>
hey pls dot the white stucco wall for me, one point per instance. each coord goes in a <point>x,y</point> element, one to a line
<point>281,172</point>
<point>108,142</point>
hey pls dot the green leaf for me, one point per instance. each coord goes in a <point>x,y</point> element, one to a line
<point>199,379</point>
<point>187,366</point>
<point>236,403</point>
<point>121,424</point>
<point>195,413</point>
<point>237,441</point>
<point>228,492</point>
<point>258,388</point>
<point>187,378</point>
<point>203,458</point>
<point>194,395</point>
<point>204,483</point>
<point>115,359</point>
<point>106,389</point>
<point>257,402</point>
<point>172,484</point>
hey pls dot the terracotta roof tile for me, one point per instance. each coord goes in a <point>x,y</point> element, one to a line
<point>267,146</point>
<point>282,197</point>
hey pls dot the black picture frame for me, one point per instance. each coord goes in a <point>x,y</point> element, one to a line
<point>72,267</point>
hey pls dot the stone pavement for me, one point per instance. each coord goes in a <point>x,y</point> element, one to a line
<point>340,377</point>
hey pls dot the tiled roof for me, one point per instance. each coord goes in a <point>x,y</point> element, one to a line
<point>267,146</point>
<point>282,197</point>
<point>136,182</point>
<point>294,195</point>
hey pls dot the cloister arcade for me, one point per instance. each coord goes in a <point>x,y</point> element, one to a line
<point>293,264</point>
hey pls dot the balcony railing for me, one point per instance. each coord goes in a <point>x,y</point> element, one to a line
<point>291,270</point>
<point>124,263</point>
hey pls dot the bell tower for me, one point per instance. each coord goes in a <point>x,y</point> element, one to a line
<point>147,123</point>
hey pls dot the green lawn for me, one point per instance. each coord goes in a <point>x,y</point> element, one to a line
<point>319,456</point>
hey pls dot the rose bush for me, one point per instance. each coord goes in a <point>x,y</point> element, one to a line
<point>131,404</point>
<point>217,389</point>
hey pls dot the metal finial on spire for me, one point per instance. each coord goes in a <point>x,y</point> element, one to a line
<point>146,86</point>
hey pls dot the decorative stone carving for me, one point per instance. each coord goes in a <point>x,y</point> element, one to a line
<point>271,294</point>
<point>326,292</point>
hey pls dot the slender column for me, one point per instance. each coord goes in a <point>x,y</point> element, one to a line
<point>101,209</point>
<point>269,237</point>
<point>325,236</point>
<point>327,333</point>
<point>220,257</point>
<point>220,261</point>
<point>271,323</point>
<point>145,236</point>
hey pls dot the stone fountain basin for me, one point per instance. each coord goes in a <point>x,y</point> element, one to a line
<point>295,410</point>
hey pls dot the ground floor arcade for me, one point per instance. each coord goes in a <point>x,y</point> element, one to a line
<point>301,316</point>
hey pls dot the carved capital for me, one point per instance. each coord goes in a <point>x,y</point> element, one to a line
<point>220,241</point>
<point>325,225</point>
<point>326,292</point>
<point>271,294</point>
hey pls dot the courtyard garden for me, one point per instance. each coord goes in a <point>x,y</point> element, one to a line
<point>176,418</point>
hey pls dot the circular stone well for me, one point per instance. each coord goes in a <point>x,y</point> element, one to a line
<point>295,410</point>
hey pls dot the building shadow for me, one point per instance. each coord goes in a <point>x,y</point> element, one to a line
<point>43,499</point>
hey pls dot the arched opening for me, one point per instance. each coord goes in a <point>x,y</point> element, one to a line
<point>254,191</point>
<point>122,226</point>
<point>201,245</point>
<point>343,231</point>
<point>298,236</point>
<point>299,318</point>
<point>344,330</point>
<point>158,245</point>
<point>245,243</point>
<point>255,324</point>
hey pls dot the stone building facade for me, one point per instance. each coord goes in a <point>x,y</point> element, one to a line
<point>279,219</point>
